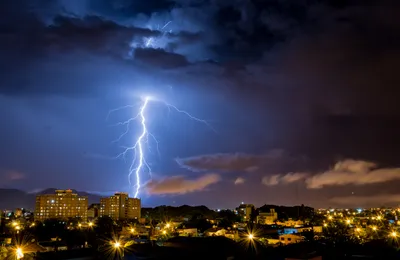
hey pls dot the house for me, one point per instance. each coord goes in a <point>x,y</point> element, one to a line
<point>295,230</point>
<point>187,232</point>
<point>267,218</point>
<point>290,239</point>
<point>215,232</point>
<point>291,223</point>
<point>228,233</point>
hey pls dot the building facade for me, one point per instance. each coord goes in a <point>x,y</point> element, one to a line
<point>93,211</point>
<point>267,218</point>
<point>120,206</point>
<point>245,211</point>
<point>62,204</point>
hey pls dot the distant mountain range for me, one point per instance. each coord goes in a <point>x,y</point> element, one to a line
<point>13,198</point>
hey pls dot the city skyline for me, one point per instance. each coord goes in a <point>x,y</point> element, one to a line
<point>300,100</point>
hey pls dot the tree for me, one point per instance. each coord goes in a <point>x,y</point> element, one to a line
<point>105,226</point>
<point>338,232</point>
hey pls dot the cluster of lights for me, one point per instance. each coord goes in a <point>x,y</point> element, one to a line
<point>392,234</point>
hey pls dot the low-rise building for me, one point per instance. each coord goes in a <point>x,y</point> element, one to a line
<point>290,238</point>
<point>267,218</point>
<point>315,229</point>
<point>187,232</point>
<point>215,232</point>
<point>291,223</point>
<point>93,211</point>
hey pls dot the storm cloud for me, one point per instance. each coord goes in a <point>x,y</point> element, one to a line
<point>315,79</point>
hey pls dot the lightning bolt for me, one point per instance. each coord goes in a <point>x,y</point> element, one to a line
<point>139,164</point>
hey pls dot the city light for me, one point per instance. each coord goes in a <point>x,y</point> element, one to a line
<point>393,234</point>
<point>117,245</point>
<point>348,221</point>
<point>374,228</point>
<point>164,232</point>
<point>251,236</point>
<point>90,224</point>
<point>167,225</point>
<point>19,253</point>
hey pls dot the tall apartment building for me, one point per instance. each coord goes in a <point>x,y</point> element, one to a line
<point>120,206</point>
<point>62,204</point>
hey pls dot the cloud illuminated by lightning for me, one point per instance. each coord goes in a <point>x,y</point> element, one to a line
<point>139,165</point>
<point>152,41</point>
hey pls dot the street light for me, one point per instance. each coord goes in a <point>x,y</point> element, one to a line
<point>117,246</point>
<point>19,253</point>
<point>90,224</point>
<point>393,234</point>
<point>251,236</point>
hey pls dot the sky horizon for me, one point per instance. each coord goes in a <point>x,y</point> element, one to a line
<point>278,102</point>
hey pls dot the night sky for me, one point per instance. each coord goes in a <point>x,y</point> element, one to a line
<point>302,99</point>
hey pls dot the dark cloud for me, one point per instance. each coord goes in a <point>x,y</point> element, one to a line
<point>160,58</point>
<point>241,162</point>
<point>229,162</point>
<point>318,79</point>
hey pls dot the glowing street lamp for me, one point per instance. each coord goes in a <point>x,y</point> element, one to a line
<point>167,225</point>
<point>348,221</point>
<point>374,228</point>
<point>90,224</point>
<point>251,236</point>
<point>19,253</point>
<point>119,248</point>
<point>393,234</point>
<point>164,232</point>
